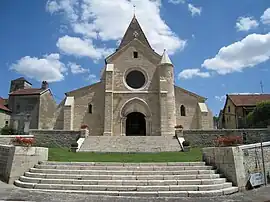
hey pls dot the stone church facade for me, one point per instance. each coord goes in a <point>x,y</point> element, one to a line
<point>136,95</point>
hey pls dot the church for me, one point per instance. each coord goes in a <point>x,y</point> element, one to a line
<point>136,95</point>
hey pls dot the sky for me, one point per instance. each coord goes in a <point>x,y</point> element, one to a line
<point>217,47</point>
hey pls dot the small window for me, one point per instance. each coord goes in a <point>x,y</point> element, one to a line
<point>183,110</point>
<point>229,109</point>
<point>135,54</point>
<point>18,108</point>
<point>6,123</point>
<point>90,109</point>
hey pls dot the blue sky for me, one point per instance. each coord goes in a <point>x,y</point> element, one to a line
<point>217,47</point>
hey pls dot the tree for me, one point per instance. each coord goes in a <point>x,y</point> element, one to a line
<point>260,116</point>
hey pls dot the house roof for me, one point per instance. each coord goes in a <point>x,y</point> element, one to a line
<point>248,99</point>
<point>22,79</point>
<point>2,105</point>
<point>28,91</point>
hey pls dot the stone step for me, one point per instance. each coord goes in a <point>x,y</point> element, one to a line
<point>122,164</point>
<point>123,182</point>
<point>131,167</point>
<point>122,172</point>
<point>157,176</point>
<point>124,187</point>
<point>154,193</point>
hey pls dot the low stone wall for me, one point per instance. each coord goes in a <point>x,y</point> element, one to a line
<point>237,163</point>
<point>14,161</point>
<point>54,138</point>
<point>205,138</point>
<point>6,139</point>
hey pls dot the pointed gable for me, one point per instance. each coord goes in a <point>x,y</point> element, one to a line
<point>134,30</point>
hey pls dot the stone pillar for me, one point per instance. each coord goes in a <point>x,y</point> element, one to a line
<point>84,133</point>
<point>68,113</point>
<point>108,111</point>
<point>167,99</point>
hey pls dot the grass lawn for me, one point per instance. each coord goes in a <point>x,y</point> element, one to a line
<point>60,154</point>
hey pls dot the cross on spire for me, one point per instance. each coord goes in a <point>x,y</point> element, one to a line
<point>134,9</point>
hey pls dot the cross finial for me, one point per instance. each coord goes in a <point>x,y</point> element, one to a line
<point>134,10</point>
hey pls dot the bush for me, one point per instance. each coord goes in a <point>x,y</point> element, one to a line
<point>186,143</point>
<point>84,126</point>
<point>74,144</point>
<point>229,141</point>
<point>179,127</point>
<point>23,141</point>
<point>8,131</point>
<point>260,117</point>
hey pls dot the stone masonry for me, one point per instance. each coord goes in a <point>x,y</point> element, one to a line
<point>114,107</point>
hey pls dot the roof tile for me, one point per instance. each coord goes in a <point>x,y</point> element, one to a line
<point>248,99</point>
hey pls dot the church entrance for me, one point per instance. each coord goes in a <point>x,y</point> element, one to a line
<point>135,124</point>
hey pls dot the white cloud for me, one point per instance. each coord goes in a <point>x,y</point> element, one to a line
<point>252,50</point>
<point>176,1</point>
<point>220,98</point>
<point>246,23</point>
<point>81,47</point>
<point>194,10</point>
<point>190,73</point>
<point>107,20</point>
<point>49,68</point>
<point>265,18</point>
<point>77,69</point>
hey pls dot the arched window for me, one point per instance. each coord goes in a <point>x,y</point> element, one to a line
<point>183,110</point>
<point>90,109</point>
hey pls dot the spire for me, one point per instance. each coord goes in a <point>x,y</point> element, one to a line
<point>165,58</point>
<point>134,30</point>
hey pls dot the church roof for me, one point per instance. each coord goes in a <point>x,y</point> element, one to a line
<point>22,79</point>
<point>134,30</point>
<point>165,58</point>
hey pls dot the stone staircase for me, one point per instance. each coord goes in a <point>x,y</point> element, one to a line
<point>130,144</point>
<point>172,179</point>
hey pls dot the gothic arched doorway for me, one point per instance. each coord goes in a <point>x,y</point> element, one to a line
<point>135,124</point>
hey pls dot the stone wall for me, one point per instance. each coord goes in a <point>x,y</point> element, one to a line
<point>14,161</point>
<point>237,163</point>
<point>6,139</point>
<point>54,138</point>
<point>253,158</point>
<point>205,138</point>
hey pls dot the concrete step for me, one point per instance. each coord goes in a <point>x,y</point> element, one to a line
<point>123,182</point>
<point>122,172</point>
<point>123,164</point>
<point>131,167</point>
<point>156,176</point>
<point>124,187</point>
<point>138,191</point>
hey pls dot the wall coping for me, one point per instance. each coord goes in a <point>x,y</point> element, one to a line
<point>46,130</point>
<point>249,146</point>
<point>13,136</point>
<point>224,130</point>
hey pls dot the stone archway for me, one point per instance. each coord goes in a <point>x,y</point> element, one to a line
<point>136,112</point>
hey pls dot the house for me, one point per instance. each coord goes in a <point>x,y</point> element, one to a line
<point>4,113</point>
<point>32,106</point>
<point>237,107</point>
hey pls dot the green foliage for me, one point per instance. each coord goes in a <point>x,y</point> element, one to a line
<point>7,131</point>
<point>260,117</point>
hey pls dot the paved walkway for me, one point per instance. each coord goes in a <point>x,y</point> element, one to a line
<point>11,193</point>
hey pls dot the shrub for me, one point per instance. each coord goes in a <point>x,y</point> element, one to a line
<point>7,131</point>
<point>229,141</point>
<point>186,143</point>
<point>74,144</point>
<point>84,126</point>
<point>23,141</point>
<point>179,127</point>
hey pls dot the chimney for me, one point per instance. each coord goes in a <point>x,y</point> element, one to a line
<point>44,85</point>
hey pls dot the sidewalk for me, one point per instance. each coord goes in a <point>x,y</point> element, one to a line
<point>12,193</point>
